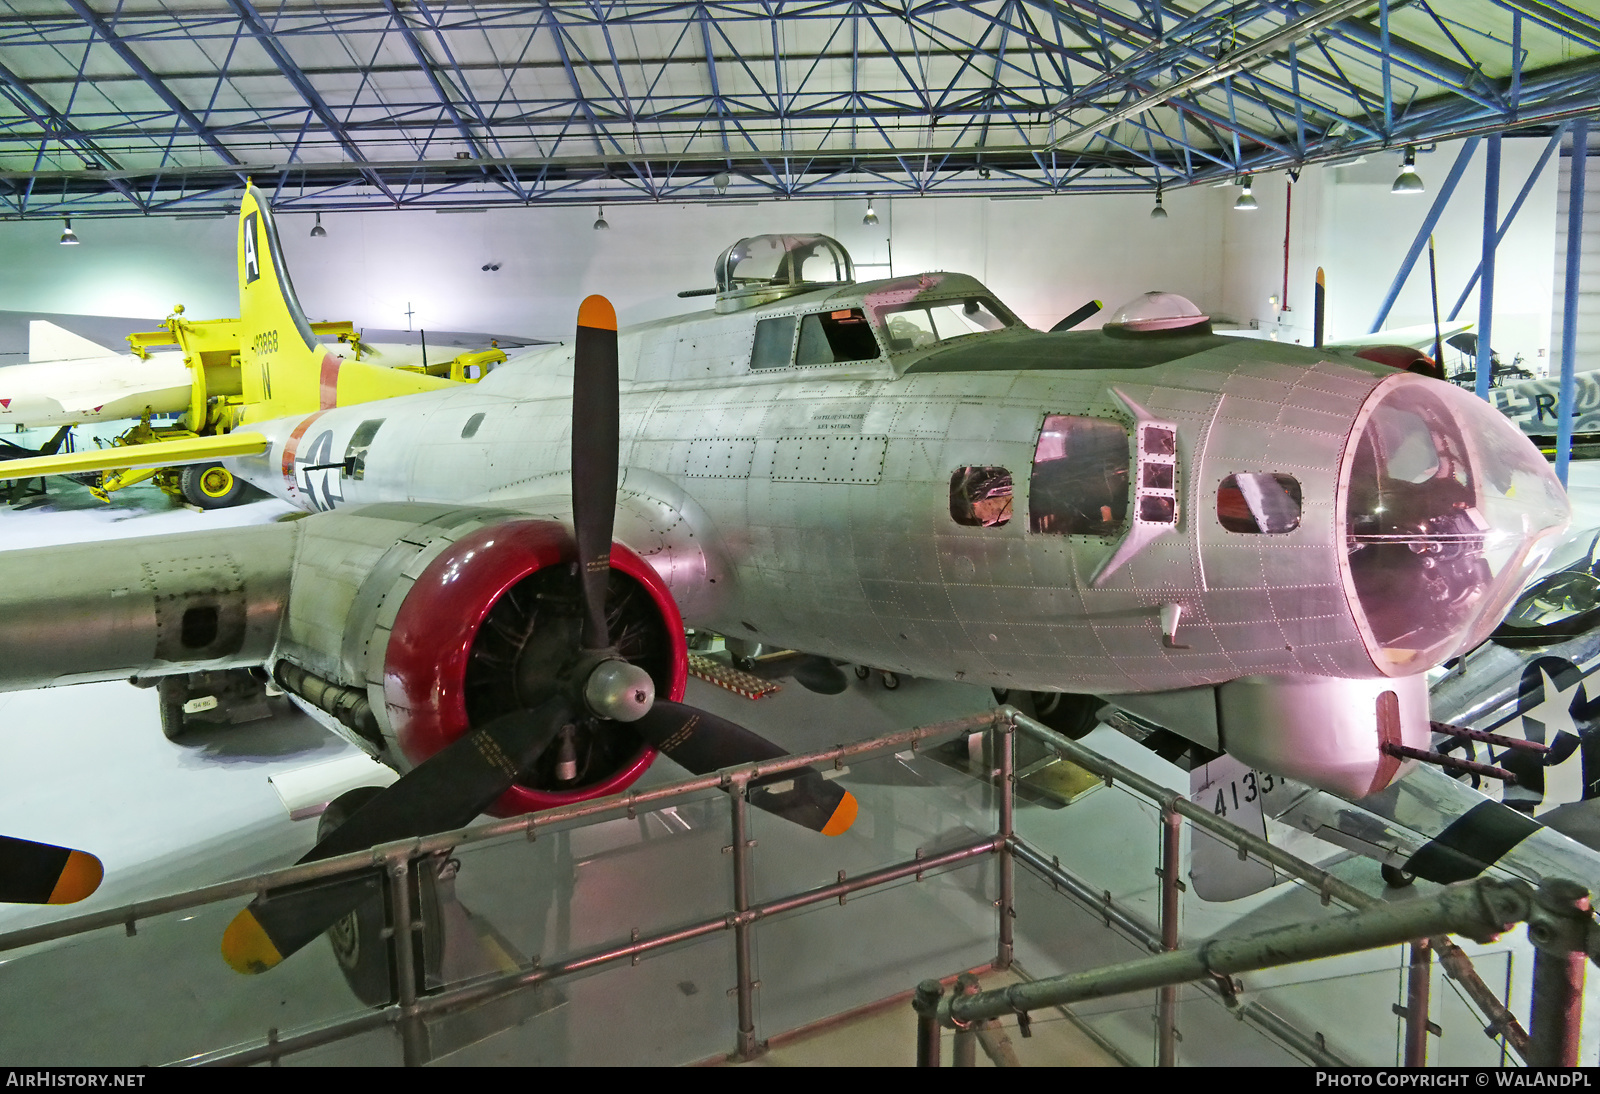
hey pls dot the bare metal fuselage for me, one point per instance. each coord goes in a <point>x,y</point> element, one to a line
<point>811,508</point>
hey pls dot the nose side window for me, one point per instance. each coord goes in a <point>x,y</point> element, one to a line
<point>1259,502</point>
<point>1079,482</point>
<point>980,497</point>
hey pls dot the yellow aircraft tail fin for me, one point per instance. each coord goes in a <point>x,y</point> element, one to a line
<point>283,367</point>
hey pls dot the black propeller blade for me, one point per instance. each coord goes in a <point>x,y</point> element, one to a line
<point>595,425</point>
<point>447,791</point>
<point>1077,317</point>
<point>42,873</point>
<point>702,742</point>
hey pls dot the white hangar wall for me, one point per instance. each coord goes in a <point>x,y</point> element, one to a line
<point>1044,257</point>
<point>1346,220</point>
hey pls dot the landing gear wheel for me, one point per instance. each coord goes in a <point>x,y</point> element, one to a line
<point>1072,716</point>
<point>863,672</point>
<point>171,693</point>
<point>212,486</point>
<point>890,681</point>
<point>1396,878</point>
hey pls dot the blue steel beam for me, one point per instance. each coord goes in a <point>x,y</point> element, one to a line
<point>162,91</point>
<point>1428,222</point>
<point>1569,300</point>
<point>1516,207</point>
<point>1491,214</point>
<point>257,27</point>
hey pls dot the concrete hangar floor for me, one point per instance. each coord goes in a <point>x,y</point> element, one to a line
<point>87,766</point>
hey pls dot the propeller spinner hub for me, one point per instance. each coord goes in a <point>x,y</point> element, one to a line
<point>619,691</point>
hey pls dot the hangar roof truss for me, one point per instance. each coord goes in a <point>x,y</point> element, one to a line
<point>130,107</point>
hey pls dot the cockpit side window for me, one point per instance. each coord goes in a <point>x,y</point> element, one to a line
<point>980,497</point>
<point>1079,484</point>
<point>922,323</point>
<point>774,344</point>
<point>833,337</point>
<point>1259,502</point>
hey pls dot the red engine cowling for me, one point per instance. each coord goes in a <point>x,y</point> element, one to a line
<point>491,614</point>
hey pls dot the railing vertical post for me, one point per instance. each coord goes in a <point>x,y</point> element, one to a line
<point>1167,997</point>
<point>1418,977</point>
<point>744,988</point>
<point>1006,744</point>
<point>413,1050</point>
<point>964,1045</point>
<point>926,1003</point>
<point>1560,939</point>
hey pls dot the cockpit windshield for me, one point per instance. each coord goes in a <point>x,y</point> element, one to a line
<point>924,322</point>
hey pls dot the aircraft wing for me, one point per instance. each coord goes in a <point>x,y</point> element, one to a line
<point>159,454</point>
<point>1417,337</point>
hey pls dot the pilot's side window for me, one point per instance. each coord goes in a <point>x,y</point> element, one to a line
<point>1259,502</point>
<point>774,344</point>
<point>1079,484</point>
<point>980,497</point>
<point>833,337</point>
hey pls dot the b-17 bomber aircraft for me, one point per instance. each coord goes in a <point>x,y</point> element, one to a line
<point>1262,546</point>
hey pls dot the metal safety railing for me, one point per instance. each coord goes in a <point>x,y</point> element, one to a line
<point>1562,929</point>
<point>414,1006</point>
<point>399,861</point>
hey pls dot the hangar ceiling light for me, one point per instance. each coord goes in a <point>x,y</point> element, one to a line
<point>1247,201</point>
<point>69,238</point>
<point>1408,181</point>
<point>317,230</point>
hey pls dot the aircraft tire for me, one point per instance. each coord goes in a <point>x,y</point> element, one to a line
<point>171,693</point>
<point>1069,714</point>
<point>212,486</point>
<point>1396,878</point>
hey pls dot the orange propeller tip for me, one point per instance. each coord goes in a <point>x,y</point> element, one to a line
<point>597,313</point>
<point>246,947</point>
<point>844,815</point>
<point>81,875</point>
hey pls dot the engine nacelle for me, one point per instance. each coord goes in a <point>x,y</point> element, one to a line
<point>446,618</point>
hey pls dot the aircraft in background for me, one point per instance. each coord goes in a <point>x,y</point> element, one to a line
<point>1263,545</point>
<point>70,380</point>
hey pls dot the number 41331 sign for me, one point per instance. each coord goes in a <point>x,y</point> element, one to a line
<point>1238,794</point>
